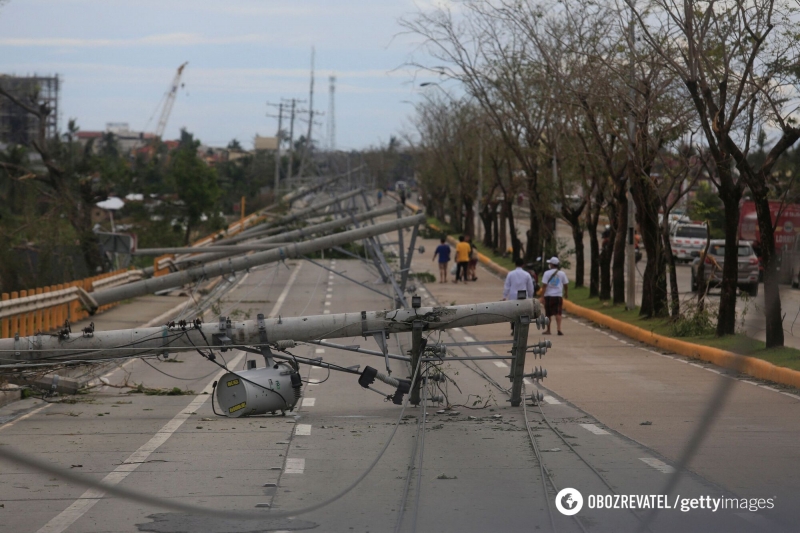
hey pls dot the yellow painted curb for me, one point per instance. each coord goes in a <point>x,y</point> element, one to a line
<point>753,366</point>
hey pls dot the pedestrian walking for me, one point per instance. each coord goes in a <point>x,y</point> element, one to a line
<point>462,259</point>
<point>443,253</point>
<point>555,285</point>
<point>403,196</point>
<point>518,280</point>
<point>473,260</point>
<point>380,196</point>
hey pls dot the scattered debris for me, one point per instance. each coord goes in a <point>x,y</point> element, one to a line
<point>444,476</point>
<point>174,391</point>
<point>552,450</point>
<point>646,423</point>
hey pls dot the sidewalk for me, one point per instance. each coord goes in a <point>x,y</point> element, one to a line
<point>624,383</point>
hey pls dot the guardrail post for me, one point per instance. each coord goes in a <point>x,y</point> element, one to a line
<point>15,318</point>
<point>23,318</point>
<point>60,311</point>
<point>47,318</point>
<point>29,316</point>
<point>40,314</point>
<point>5,322</point>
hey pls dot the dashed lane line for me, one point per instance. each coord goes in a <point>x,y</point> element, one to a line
<point>295,466</point>
<point>592,428</point>
<point>302,429</point>
<point>500,364</point>
<point>468,339</point>
<point>551,400</point>
<point>482,349</point>
<point>309,402</point>
<point>659,465</point>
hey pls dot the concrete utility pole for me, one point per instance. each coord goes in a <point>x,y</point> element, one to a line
<point>291,145</point>
<point>306,155</point>
<point>212,253</point>
<point>278,151</point>
<point>227,332</point>
<point>225,267</point>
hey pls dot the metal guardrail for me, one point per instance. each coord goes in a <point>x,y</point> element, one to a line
<point>45,309</point>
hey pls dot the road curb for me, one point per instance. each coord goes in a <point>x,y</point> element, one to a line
<point>753,366</point>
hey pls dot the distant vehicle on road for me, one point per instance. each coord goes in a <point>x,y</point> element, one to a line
<point>686,239</point>
<point>747,280</point>
<point>786,219</point>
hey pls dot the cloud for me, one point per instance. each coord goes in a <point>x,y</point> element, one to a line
<point>162,39</point>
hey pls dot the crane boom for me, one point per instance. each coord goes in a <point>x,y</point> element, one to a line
<point>170,101</point>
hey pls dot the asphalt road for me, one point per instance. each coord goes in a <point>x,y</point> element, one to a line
<point>614,421</point>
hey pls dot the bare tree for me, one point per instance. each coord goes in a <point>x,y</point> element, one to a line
<point>738,63</point>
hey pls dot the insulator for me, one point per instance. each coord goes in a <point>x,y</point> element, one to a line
<point>285,345</point>
<point>537,397</point>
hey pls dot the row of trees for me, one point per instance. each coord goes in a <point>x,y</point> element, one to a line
<point>583,107</point>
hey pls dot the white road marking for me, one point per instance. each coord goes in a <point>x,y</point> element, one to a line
<point>712,370</point>
<point>279,302</point>
<point>790,395</point>
<point>327,304</point>
<point>309,402</point>
<point>698,366</point>
<point>468,339</point>
<point>613,337</point>
<point>328,296</point>
<point>457,329</point>
<point>319,350</point>
<point>326,312</point>
<point>769,388</point>
<point>591,428</point>
<point>26,415</point>
<point>71,514</point>
<point>330,289</point>
<point>749,382</point>
<point>313,381</point>
<point>295,466</point>
<point>659,465</point>
<point>500,364</point>
<point>526,381</point>
<point>551,400</point>
<point>302,429</point>
<point>482,349</point>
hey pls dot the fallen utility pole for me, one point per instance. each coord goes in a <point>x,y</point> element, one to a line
<point>292,217</point>
<point>291,236</point>
<point>228,334</point>
<point>219,268</point>
<point>234,249</point>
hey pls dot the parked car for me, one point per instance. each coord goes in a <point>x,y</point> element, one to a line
<point>714,262</point>
<point>687,239</point>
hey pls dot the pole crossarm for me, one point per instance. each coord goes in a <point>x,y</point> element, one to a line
<point>228,333</point>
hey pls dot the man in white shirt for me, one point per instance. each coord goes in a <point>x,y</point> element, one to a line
<point>555,285</point>
<point>517,280</point>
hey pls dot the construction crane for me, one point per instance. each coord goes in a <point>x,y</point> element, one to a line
<point>169,101</point>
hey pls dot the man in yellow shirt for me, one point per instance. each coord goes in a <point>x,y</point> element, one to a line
<point>462,259</point>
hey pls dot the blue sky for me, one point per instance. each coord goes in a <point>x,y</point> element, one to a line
<point>117,58</point>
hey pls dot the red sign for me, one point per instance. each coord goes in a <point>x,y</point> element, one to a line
<point>786,229</point>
